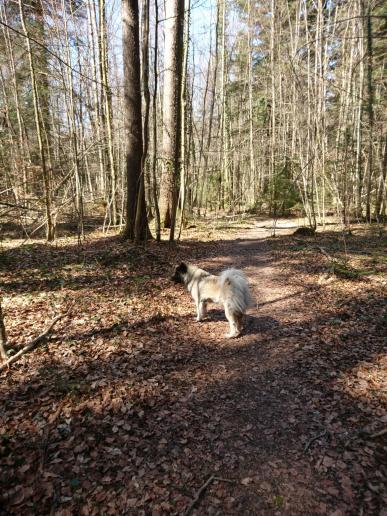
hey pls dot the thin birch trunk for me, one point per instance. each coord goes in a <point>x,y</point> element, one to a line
<point>107,98</point>
<point>183,106</point>
<point>154,121</point>
<point>50,229</point>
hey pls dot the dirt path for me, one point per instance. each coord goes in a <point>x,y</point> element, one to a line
<point>261,397</point>
<point>278,298</point>
<point>275,392</point>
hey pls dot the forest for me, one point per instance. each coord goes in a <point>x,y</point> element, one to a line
<point>278,109</point>
<point>138,140</point>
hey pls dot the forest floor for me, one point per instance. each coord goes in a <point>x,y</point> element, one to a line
<point>130,407</point>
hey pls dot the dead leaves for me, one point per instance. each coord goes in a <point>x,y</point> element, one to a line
<point>151,405</point>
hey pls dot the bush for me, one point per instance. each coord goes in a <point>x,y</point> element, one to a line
<point>281,194</point>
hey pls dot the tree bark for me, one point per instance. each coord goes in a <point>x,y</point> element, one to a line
<point>154,117</point>
<point>370,110</point>
<point>174,19</point>
<point>133,122</point>
<point>42,142</point>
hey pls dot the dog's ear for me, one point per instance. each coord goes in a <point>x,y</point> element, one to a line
<point>182,268</point>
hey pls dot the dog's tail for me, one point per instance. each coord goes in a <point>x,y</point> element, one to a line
<point>235,290</point>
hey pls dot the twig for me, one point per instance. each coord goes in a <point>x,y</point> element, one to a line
<point>324,252</point>
<point>327,255</point>
<point>33,343</point>
<point>199,495</point>
<point>378,434</point>
<point>314,439</point>
<point>3,335</point>
<point>221,479</point>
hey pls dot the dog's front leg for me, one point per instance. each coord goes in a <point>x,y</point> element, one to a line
<point>199,305</point>
<point>198,311</point>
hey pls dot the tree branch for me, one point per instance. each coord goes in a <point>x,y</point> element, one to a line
<point>33,343</point>
<point>3,336</point>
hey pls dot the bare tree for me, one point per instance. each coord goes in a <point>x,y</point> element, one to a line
<point>154,117</point>
<point>40,131</point>
<point>280,109</point>
<point>133,123</point>
<point>174,21</point>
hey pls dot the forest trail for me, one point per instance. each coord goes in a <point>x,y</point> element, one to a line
<point>278,390</point>
<point>131,406</point>
<point>263,398</point>
<point>276,296</point>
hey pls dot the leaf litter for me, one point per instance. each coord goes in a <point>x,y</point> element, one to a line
<point>131,405</point>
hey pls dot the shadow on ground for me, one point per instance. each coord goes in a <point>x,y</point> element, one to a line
<point>134,417</point>
<point>146,425</point>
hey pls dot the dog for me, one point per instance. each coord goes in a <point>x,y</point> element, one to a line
<point>230,289</point>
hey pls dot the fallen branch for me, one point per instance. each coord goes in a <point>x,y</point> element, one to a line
<point>200,493</point>
<point>324,252</point>
<point>3,336</point>
<point>33,343</point>
<point>311,441</point>
<point>221,479</point>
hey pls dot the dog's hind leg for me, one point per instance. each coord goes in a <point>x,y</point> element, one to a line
<point>234,323</point>
<point>239,322</point>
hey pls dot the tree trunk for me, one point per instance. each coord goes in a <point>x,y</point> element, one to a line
<point>174,19</point>
<point>107,109</point>
<point>141,227</point>
<point>370,109</point>
<point>154,117</point>
<point>183,105</point>
<point>42,142</point>
<point>381,191</point>
<point>96,115</point>
<point>250,89</point>
<point>133,122</point>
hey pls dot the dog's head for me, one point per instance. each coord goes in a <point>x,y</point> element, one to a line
<point>179,273</point>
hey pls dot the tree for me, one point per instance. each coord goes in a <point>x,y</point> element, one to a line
<point>276,85</point>
<point>107,115</point>
<point>174,22</point>
<point>135,203</point>
<point>41,115</point>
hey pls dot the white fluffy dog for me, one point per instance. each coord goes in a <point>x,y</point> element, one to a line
<point>229,289</point>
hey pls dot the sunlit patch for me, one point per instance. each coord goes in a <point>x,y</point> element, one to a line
<point>367,380</point>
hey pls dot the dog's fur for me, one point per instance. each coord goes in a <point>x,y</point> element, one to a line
<point>229,289</point>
